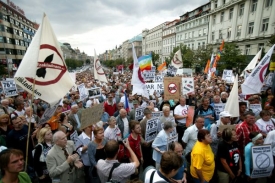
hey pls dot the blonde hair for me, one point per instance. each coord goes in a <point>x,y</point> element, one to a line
<point>42,133</point>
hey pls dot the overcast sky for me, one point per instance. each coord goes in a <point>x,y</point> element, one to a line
<point>103,24</point>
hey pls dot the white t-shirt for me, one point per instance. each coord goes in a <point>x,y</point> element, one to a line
<point>112,133</point>
<point>20,113</point>
<point>156,177</point>
<point>126,127</point>
<point>265,126</point>
<point>181,110</point>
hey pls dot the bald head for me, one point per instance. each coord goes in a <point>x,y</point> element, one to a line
<point>123,113</point>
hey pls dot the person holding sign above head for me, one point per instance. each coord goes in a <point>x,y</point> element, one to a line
<point>257,139</point>
<point>228,159</point>
<point>159,145</point>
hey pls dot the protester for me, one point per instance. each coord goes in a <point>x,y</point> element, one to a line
<point>122,121</point>
<point>65,126</point>
<point>74,118</point>
<point>5,128</point>
<point>265,123</point>
<point>112,132</point>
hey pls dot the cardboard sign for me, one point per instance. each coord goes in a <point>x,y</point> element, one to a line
<point>190,116</point>
<point>74,137</point>
<point>82,92</point>
<point>171,140</point>
<point>158,78</point>
<point>94,92</point>
<point>139,113</point>
<point>149,75</point>
<point>49,112</point>
<point>219,108</point>
<point>171,71</point>
<point>187,85</point>
<point>172,88</point>
<point>262,161</point>
<point>256,108</point>
<point>151,130</point>
<point>91,115</point>
<point>152,87</point>
<point>222,127</point>
<point>9,88</point>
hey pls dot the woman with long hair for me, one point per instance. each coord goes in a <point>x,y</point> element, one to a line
<point>45,138</point>
<point>5,128</point>
<point>96,151</point>
<point>65,125</point>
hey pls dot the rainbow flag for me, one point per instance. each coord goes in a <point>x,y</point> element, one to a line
<point>145,62</point>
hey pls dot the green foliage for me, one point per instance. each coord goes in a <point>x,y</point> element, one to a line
<point>272,40</point>
<point>73,64</point>
<point>88,61</point>
<point>113,63</point>
<point>155,58</point>
<point>3,71</point>
<point>202,55</point>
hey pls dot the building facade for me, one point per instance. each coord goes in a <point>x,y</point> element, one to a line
<point>248,23</point>
<point>16,34</point>
<point>168,38</point>
<point>192,30</point>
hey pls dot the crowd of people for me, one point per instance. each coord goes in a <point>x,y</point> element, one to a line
<point>115,150</point>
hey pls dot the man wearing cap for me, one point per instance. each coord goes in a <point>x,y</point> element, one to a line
<point>225,119</point>
<point>132,113</point>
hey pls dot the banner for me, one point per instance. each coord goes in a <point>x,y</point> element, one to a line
<point>232,106</point>
<point>187,85</point>
<point>190,116</point>
<point>256,108</point>
<point>152,87</point>
<point>158,78</point>
<point>148,75</point>
<point>91,115</point>
<point>49,112</point>
<point>98,71</point>
<point>262,161</point>
<point>171,71</point>
<point>219,108</point>
<point>139,113</point>
<point>82,92</point>
<point>254,82</point>
<point>94,92</point>
<point>177,60</point>
<point>151,129</point>
<point>9,88</point>
<point>172,88</point>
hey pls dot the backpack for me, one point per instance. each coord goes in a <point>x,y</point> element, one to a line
<point>42,158</point>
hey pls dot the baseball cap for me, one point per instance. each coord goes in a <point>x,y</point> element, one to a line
<point>225,114</point>
<point>135,102</point>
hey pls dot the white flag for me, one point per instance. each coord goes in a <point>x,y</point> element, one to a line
<point>252,64</point>
<point>254,82</point>
<point>43,67</point>
<point>177,60</point>
<point>137,81</point>
<point>98,71</point>
<point>231,105</point>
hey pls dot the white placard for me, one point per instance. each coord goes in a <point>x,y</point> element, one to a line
<point>151,129</point>
<point>256,108</point>
<point>171,71</point>
<point>149,75</point>
<point>227,76</point>
<point>74,137</point>
<point>262,161</point>
<point>9,88</point>
<point>219,108</point>
<point>139,113</point>
<point>115,73</point>
<point>82,91</point>
<point>171,140</point>
<point>152,87</point>
<point>94,92</point>
<point>157,114</point>
<point>187,85</point>
<point>158,78</point>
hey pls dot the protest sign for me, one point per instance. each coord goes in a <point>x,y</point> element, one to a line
<point>152,87</point>
<point>262,161</point>
<point>218,108</point>
<point>172,88</point>
<point>149,75</point>
<point>94,92</point>
<point>82,91</point>
<point>74,137</point>
<point>171,140</point>
<point>115,73</point>
<point>256,108</point>
<point>186,72</point>
<point>190,116</point>
<point>158,78</point>
<point>171,71</point>
<point>222,127</point>
<point>227,76</point>
<point>151,129</point>
<point>9,88</point>
<point>187,85</point>
<point>139,113</point>
<point>49,112</point>
<point>91,115</point>
<point>153,68</point>
<point>157,114</point>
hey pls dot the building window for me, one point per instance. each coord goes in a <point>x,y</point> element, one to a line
<point>239,30</point>
<point>204,31</point>
<point>214,19</point>
<point>1,39</point>
<point>241,10</point>
<point>254,5</point>
<point>213,36</point>
<point>247,49</point>
<point>260,46</point>
<point>17,42</point>
<point>229,33</point>
<point>203,45</point>
<point>193,34</point>
<point>220,34</point>
<point>222,15</point>
<point>185,35</point>
<point>250,27</point>
<point>189,34</point>
<point>8,40</point>
<point>231,13</point>
<point>265,24</point>
<point>192,46</point>
<point>199,32</point>
<point>224,1</point>
<point>216,4</point>
<point>199,45</point>
<point>268,3</point>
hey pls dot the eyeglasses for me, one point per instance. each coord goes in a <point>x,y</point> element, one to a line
<point>120,106</point>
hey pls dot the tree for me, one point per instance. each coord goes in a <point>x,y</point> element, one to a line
<point>73,64</point>
<point>3,71</point>
<point>272,40</point>
<point>202,55</point>
<point>88,61</point>
<point>155,58</point>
